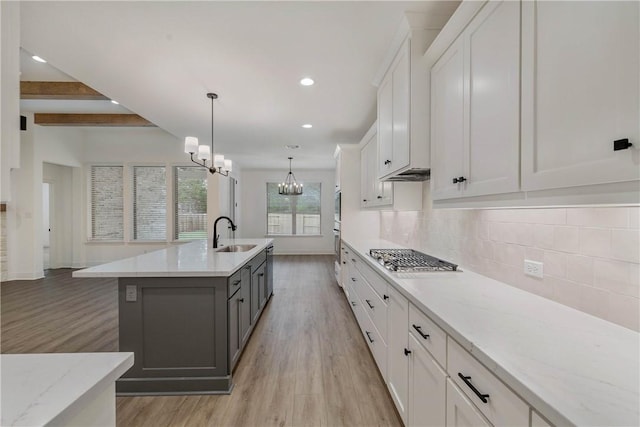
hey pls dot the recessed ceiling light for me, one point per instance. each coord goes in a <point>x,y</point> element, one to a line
<point>307,126</point>
<point>37,58</point>
<point>307,81</point>
<point>113,101</point>
<point>292,146</point>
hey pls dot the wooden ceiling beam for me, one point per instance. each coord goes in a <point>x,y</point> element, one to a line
<point>58,90</point>
<point>108,120</point>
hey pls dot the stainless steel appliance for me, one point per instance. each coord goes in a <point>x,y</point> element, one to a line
<point>408,260</point>
<point>338,206</point>
<point>336,248</point>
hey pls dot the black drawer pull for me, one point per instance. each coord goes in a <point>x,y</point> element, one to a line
<point>387,162</point>
<point>353,279</point>
<point>459,180</point>
<point>368,303</point>
<point>419,329</point>
<point>407,352</point>
<point>379,197</point>
<point>236,283</point>
<point>261,274</point>
<point>481,396</point>
<point>344,262</point>
<point>241,300</point>
<point>353,303</point>
<point>385,296</point>
<point>369,336</point>
<point>353,259</point>
<point>621,144</point>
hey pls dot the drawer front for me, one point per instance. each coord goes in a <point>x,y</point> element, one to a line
<point>428,334</point>
<point>357,282</point>
<point>374,279</point>
<point>502,406</point>
<point>258,259</point>
<point>377,346</point>
<point>375,307</point>
<point>234,282</point>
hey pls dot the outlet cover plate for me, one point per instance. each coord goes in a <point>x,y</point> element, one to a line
<point>533,268</point>
<point>131,293</point>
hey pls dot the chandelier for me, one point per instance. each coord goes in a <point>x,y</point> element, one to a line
<point>219,163</point>
<point>290,186</point>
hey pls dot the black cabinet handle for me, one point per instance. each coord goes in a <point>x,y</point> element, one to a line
<point>236,283</point>
<point>261,274</point>
<point>407,352</point>
<point>459,180</point>
<point>369,336</point>
<point>346,252</point>
<point>369,303</point>
<point>621,144</point>
<point>379,197</point>
<point>467,381</point>
<point>344,262</point>
<point>353,259</point>
<point>241,300</point>
<point>248,267</point>
<point>353,279</point>
<point>387,162</point>
<point>353,303</point>
<point>419,329</point>
<point>385,296</point>
<point>364,200</point>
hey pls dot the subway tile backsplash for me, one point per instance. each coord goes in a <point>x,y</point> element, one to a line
<point>591,256</point>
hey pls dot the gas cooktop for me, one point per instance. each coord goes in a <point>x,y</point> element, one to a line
<point>407,260</point>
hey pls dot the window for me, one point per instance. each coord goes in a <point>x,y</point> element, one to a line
<point>107,203</point>
<point>149,203</point>
<point>190,202</point>
<point>294,215</point>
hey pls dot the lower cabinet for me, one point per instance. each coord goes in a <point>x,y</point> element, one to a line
<point>245,307</point>
<point>398,351</point>
<point>461,412</point>
<point>427,388</point>
<point>235,333</point>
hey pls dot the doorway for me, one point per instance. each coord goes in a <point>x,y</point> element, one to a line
<point>46,225</point>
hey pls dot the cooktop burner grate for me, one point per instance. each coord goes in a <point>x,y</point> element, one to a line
<point>410,260</point>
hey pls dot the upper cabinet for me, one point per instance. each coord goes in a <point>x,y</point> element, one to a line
<point>475,89</point>
<point>527,99</point>
<point>580,93</point>
<point>403,101</point>
<point>373,191</point>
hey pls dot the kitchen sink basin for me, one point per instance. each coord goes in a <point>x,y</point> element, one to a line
<point>236,248</point>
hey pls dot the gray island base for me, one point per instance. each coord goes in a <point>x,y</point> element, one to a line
<point>188,331</point>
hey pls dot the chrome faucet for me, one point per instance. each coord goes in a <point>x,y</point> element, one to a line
<point>216,236</point>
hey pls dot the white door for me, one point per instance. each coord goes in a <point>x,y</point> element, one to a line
<point>447,122</point>
<point>580,92</point>
<point>492,100</point>
<point>46,225</point>
<point>397,358</point>
<point>427,388</point>
<point>461,412</point>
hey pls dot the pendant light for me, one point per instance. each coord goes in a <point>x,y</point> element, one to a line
<point>219,164</point>
<point>290,186</point>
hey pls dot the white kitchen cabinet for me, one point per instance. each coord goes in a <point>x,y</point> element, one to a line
<point>475,107</point>
<point>403,100</point>
<point>427,388</point>
<point>580,92</point>
<point>338,156</point>
<point>461,412</point>
<point>373,191</point>
<point>398,351</point>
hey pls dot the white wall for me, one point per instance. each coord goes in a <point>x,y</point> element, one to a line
<point>253,223</point>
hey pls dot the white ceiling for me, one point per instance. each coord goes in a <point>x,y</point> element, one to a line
<point>159,59</point>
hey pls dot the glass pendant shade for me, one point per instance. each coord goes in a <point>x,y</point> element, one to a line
<point>191,144</point>
<point>204,153</point>
<point>227,165</point>
<point>218,161</point>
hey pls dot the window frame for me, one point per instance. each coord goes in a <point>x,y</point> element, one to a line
<point>174,203</point>
<point>89,193</point>
<point>293,212</point>
<point>168,201</point>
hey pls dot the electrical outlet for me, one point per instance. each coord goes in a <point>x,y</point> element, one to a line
<point>131,294</point>
<point>533,268</point>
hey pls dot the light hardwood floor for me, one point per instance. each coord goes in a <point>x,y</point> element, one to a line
<point>306,362</point>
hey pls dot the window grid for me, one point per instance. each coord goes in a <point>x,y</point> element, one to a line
<point>107,203</point>
<point>294,215</point>
<point>190,203</point>
<point>149,203</point>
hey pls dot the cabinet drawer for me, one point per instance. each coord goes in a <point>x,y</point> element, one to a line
<point>502,406</point>
<point>375,307</point>
<point>374,279</point>
<point>428,334</point>
<point>377,346</point>
<point>234,282</point>
<point>258,259</point>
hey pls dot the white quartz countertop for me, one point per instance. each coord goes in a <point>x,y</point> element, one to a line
<point>193,259</point>
<point>572,367</point>
<point>40,389</point>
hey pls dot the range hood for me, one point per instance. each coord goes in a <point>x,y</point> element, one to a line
<point>411,175</point>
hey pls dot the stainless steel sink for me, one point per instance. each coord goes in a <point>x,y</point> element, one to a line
<point>236,248</point>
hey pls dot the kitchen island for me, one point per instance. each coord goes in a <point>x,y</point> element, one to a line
<point>187,312</point>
